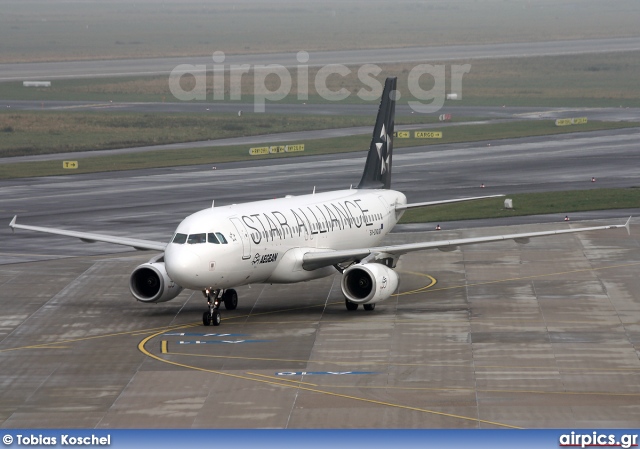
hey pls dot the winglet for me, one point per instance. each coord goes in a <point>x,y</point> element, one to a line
<point>627,226</point>
<point>13,222</point>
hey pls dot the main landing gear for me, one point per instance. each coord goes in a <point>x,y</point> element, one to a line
<point>212,316</point>
<point>353,306</point>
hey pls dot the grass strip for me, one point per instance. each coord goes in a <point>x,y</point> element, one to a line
<point>528,204</point>
<point>46,132</point>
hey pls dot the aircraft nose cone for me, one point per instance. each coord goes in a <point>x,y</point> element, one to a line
<point>183,267</point>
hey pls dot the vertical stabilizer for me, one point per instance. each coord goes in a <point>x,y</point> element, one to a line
<point>377,171</point>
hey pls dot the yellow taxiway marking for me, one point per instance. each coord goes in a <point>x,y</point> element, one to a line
<point>278,382</point>
<point>575,393</point>
<point>433,282</point>
<point>282,380</point>
<point>95,337</point>
<point>472,390</point>
<point>142,348</point>
<point>387,363</point>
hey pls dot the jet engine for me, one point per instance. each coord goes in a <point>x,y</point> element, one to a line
<point>150,282</point>
<point>368,283</point>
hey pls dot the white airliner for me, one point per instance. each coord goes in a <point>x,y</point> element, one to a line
<point>292,239</point>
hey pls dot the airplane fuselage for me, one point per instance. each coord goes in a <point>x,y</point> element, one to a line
<point>264,241</point>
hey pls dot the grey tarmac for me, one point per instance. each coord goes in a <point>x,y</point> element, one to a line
<point>537,335</point>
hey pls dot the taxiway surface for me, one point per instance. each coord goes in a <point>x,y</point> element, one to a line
<point>537,335</point>
<point>541,335</point>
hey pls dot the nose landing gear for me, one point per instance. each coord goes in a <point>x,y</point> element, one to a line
<point>212,315</point>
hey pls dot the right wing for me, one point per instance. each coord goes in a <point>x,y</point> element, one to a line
<point>315,260</point>
<point>92,238</point>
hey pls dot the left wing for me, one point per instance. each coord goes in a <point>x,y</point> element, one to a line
<point>314,260</point>
<point>92,238</point>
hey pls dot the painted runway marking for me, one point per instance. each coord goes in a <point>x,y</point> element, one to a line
<point>194,334</point>
<point>209,342</point>
<point>142,349</point>
<point>321,373</point>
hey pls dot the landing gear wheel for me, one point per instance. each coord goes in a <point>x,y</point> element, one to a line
<point>230,298</point>
<point>216,319</point>
<point>212,315</point>
<point>369,306</point>
<point>350,305</point>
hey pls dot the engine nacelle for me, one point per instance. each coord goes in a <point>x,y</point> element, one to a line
<point>368,283</point>
<point>150,282</point>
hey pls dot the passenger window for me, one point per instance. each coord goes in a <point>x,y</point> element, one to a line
<point>211,238</point>
<point>180,239</point>
<point>197,238</point>
<point>221,238</point>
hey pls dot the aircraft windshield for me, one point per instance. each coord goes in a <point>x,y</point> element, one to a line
<point>180,238</point>
<point>197,238</point>
<point>192,239</point>
<point>216,237</point>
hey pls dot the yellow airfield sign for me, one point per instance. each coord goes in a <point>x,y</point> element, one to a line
<point>428,134</point>
<point>276,149</point>
<point>571,121</point>
<point>258,151</point>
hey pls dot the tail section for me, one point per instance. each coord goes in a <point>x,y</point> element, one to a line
<point>377,171</point>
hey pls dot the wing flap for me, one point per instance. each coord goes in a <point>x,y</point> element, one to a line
<point>92,238</point>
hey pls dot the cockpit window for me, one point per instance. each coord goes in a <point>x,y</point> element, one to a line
<point>212,238</point>
<point>197,238</point>
<point>221,238</point>
<point>180,238</point>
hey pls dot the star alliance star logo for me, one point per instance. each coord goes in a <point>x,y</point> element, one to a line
<point>384,142</point>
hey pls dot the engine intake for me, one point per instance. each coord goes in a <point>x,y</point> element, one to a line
<point>150,282</point>
<point>368,283</point>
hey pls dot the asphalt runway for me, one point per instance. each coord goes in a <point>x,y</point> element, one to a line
<point>488,112</point>
<point>159,66</point>
<point>537,335</point>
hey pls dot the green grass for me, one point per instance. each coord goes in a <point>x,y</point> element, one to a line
<point>214,155</point>
<point>508,130</point>
<point>45,132</point>
<point>528,204</point>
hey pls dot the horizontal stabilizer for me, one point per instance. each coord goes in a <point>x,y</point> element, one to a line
<point>400,207</point>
